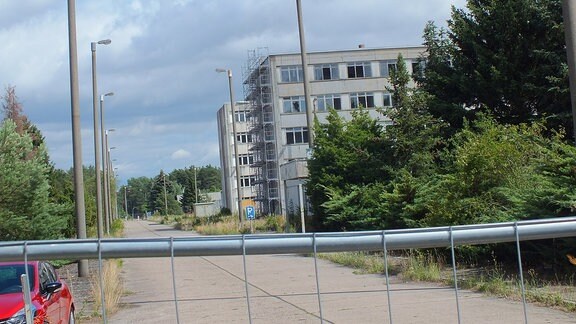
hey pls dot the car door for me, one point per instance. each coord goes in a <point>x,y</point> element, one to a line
<point>51,301</point>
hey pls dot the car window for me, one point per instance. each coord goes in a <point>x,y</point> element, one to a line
<point>51,272</point>
<point>44,277</point>
<point>10,277</point>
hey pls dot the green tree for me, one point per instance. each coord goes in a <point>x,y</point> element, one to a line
<point>163,194</point>
<point>505,57</point>
<point>137,195</point>
<point>209,178</point>
<point>346,154</point>
<point>26,211</point>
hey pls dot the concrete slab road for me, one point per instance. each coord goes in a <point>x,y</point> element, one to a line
<point>282,289</point>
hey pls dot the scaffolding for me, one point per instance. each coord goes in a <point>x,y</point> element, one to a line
<point>258,92</point>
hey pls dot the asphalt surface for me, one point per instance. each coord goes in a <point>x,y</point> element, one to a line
<point>282,289</point>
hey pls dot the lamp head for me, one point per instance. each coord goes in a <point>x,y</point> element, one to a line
<point>105,42</point>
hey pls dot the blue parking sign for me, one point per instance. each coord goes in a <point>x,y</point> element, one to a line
<point>250,212</point>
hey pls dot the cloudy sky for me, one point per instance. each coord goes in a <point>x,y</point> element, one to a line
<point>160,64</point>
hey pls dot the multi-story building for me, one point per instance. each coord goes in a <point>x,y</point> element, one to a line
<point>228,160</point>
<point>276,110</point>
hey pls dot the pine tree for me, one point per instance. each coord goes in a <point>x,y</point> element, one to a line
<point>26,212</point>
<point>504,57</point>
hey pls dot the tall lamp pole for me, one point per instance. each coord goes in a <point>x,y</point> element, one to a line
<point>235,160</point>
<point>96,138</point>
<point>304,56</point>
<point>569,15</point>
<point>107,185</point>
<point>79,205</point>
<point>104,170</point>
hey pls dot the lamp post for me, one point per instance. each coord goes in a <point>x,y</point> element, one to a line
<point>165,198</point>
<point>107,186</point>
<point>235,160</point>
<point>104,204</point>
<point>96,144</point>
<point>79,205</point>
<point>304,57</point>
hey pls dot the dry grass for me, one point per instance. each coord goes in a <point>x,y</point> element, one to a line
<point>229,225</point>
<point>113,287</point>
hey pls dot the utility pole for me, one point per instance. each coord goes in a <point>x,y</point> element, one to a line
<point>79,206</point>
<point>165,198</point>
<point>569,15</point>
<point>306,81</point>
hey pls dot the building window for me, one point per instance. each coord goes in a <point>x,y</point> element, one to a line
<point>418,67</point>
<point>326,72</point>
<point>387,100</point>
<point>386,67</point>
<point>244,137</point>
<point>247,181</point>
<point>362,99</point>
<point>242,116</point>
<point>296,135</point>
<point>291,73</point>
<point>245,159</point>
<point>294,104</point>
<point>324,102</point>
<point>359,70</point>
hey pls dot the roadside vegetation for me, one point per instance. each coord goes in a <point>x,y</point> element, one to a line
<point>112,286</point>
<point>492,279</point>
<point>224,224</point>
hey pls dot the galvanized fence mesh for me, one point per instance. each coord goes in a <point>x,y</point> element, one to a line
<point>310,243</point>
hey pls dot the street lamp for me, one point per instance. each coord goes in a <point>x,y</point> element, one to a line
<point>106,170</point>
<point>104,203</point>
<point>79,205</point>
<point>305,81</point>
<point>236,157</point>
<point>96,144</point>
<point>109,178</point>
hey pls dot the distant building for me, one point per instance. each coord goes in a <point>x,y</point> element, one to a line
<point>227,161</point>
<point>272,129</point>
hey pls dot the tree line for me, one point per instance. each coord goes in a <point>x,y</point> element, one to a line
<point>169,194</point>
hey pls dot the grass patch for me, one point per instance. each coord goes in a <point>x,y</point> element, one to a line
<point>423,266</point>
<point>113,287</point>
<point>494,280</point>
<point>363,262</point>
<point>229,225</point>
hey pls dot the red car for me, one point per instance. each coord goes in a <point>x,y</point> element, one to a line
<point>51,298</point>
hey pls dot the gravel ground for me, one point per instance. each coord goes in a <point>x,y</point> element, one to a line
<point>81,289</point>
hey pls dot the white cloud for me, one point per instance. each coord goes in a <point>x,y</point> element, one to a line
<point>161,61</point>
<point>181,154</point>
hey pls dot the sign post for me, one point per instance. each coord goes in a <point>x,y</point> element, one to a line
<point>250,215</point>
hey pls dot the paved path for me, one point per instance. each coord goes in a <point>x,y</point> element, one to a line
<point>283,290</point>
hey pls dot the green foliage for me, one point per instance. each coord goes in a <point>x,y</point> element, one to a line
<point>163,194</point>
<point>26,211</point>
<point>505,57</point>
<point>346,152</point>
<point>497,174</point>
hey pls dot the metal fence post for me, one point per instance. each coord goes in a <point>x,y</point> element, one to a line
<point>246,277</point>
<point>174,279</point>
<point>317,278</point>
<point>101,275</point>
<point>26,287</point>
<point>454,271</point>
<point>387,276</point>
<point>521,272</point>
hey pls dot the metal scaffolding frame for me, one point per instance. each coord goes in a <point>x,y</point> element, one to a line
<point>258,92</point>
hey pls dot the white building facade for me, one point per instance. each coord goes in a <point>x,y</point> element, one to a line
<point>228,159</point>
<point>275,115</point>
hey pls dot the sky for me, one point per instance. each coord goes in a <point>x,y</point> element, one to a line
<point>162,60</point>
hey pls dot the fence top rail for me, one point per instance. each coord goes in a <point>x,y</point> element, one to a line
<point>289,243</point>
